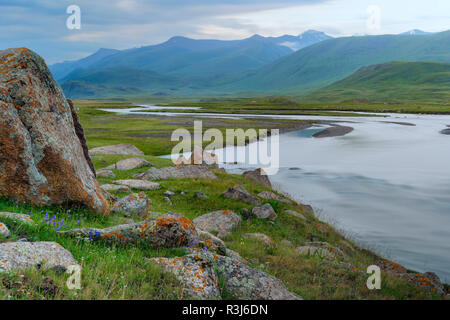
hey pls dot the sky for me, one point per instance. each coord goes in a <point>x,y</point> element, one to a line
<point>41,25</point>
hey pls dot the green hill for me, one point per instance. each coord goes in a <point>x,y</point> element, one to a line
<point>332,60</point>
<point>392,82</point>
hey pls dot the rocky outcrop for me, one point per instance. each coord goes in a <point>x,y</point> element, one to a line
<point>211,241</point>
<point>129,164</point>
<point>272,196</point>
<point>41,157</point>
<point>258,175</point>
<point>133,204</point>
<point>122,149</point>
<point>264,212</point>
<point>239,193</point>
<point>222,222</point>
<point>25,255</point>
<point>139,184</point>
<point>166,231</point>
<point>177,172</point>
<point>200,272</point>
<point>4,231</point>
<point>17,217</point>
<point>428,280</point>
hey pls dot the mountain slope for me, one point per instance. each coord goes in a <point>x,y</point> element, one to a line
<point>391,82</point>
<point>331,60</point>
<point>61,70</point>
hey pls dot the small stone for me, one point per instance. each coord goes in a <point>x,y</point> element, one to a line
<point>105,173</point>
<point>272,196</point>
<point>200,195</point>
<point>167,199</point>
<point>17,217</point>
<point>115,187</point>
<point>139,184</point>
<point>222,222</point>
<point>133,204</point>
<point>258,175</point>
<point>123,149</point>
<point>239,193</point>
<point>4,231</point>
<point>296,214</point>
<point>264,212</point>
<point>25,255</point>
<point>169,193</point>
<point>130,164</point>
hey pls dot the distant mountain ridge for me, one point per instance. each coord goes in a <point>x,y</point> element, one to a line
<point>252,66</point>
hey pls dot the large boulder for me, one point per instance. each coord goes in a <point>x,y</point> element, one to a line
<point>41,156</point>
<point>239,193</point>
<point>222,222</point>
<point>166,231</point>
<point>258,175</point>
<point>25,255</point>
<point>199,274</point>
<point>122,149</point>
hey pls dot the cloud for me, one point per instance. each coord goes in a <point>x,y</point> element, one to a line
<point>41,24</point>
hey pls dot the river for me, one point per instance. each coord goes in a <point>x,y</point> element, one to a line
<point>385,184</point>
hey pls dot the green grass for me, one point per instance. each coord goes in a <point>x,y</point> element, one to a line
<point>123,271</point>
<point>395,81</point>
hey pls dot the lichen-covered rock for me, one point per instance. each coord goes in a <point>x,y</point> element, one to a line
<point>168,231</point>
<point>25,255</point>
<point>139,184</point>
<point>258,175</point>
<point>122,148</point>
<point>177,172</point>
<point>129,164</point>
<point>272,196</point>
<point>180,161</point>
<point>264,212</point>
<point>199,273</point>
<point>105,173</point>
<point>17,217</point>
<point>296,214</point>
<point>211,241</point>
<point>260,236</point>
<point>133,204</point>
<point>196,275</point>
<point>222,222</point>
<point>41,157</point>
<point>115,187</point>
<point>428,280</point>
<point>4,231</point>
<point>239,193</point>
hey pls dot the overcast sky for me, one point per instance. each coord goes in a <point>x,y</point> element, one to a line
<point>41,24</point>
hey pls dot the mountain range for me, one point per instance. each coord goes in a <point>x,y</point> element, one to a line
<point>257,65</point>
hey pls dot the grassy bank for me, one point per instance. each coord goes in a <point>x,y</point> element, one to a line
<point>123,272</point>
